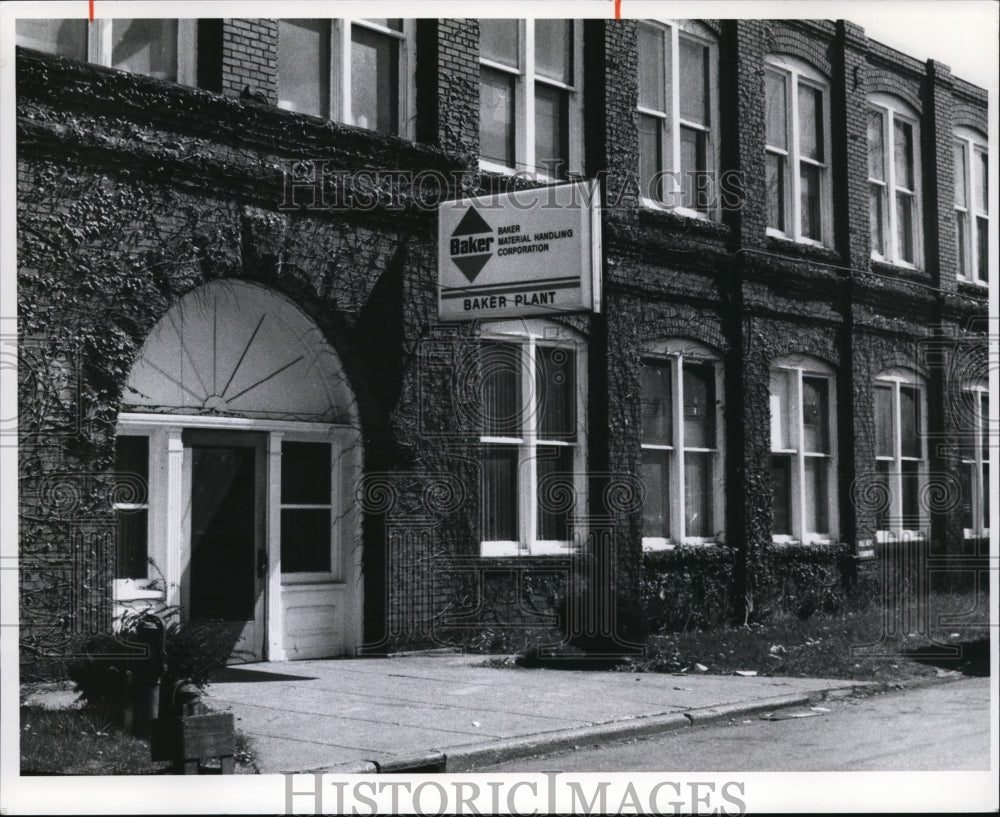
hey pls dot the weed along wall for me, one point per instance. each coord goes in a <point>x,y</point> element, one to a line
<point>265,379</point>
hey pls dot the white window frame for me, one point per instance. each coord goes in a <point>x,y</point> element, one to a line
<point>974,392</point>
<point>128,589</point>
<point>99,45</point>
<point>895,378</point>
<point>671,122</point>
<point>675,352</point>
<point>528,335</point>
<point>525,79</point>
<point>340,71</point>
<point>796,72</point>
<point>892,108</point>
<point>971,142</point>
<point>796,367</point>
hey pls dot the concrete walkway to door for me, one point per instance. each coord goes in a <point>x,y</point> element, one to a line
<point>451,713</point>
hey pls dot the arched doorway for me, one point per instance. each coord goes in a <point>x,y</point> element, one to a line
<point>240,415</point>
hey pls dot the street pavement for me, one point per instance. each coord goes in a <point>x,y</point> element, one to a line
<point>451,713</point>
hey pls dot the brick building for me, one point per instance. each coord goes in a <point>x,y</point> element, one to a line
<point>237,399</point>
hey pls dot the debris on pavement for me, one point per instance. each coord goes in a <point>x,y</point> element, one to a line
<point>746,673</point>
<point>789,714</point>
<point>701,668</point>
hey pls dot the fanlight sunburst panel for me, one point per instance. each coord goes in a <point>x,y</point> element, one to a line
<point>233,348</point>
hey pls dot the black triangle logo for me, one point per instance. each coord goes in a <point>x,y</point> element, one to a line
<point>472,223</point>
<point>472,265</point>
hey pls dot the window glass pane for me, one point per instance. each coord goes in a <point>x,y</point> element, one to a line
<point>699,405</point>
<point>551,131</point>
<point>374,80</point>
<point>961,192</point>
<point>884,422</point>
<point>876,147</point>
<point>909,421</point>
<point>653,61</point>
<point>555,370</point>
<point>304,66</point>
<point>986,495</point>
<point>305,473</point>
<point>698,494</point>
<point>305,540</point>
<point>694,81</point>
<point>982,248</point>
<point>809,201</point>
<point>962,242</point>
<point>982,179</point>
<point>65,37</point>
<point>967,477</point>
<point>650,156</point>
<point>816,414</point>
<point>554,50</point>
<point>500,494</point>
<point>911,495</point>
<point>145,47</point>
<point>810,122</point>
<point>133,547</point>
<point>817,495</point>
<point>554,469</point>
<point>904,230</point>
<point>876,213</point>
<point>780,417</point>
<point>656,480</point>
<point>501,389</point>
<point>776,191</point>
<point>984,423</point>
<point>132,461</point>
<point>395,23</point>
<point>777,127</point>
<point>132,471</point>
<point>697,193</point>
<point>496,116</point>
<point>883,511</point>
<point>498,41</point>
<point>903,154</point>
<point>781,486</point>
<point>657,415</point>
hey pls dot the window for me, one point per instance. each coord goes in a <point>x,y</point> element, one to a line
<point>530,100</point>
<point>900,466</point>
<point>533,438</point>
<point>131,506</point>
<point>972,220</point>
<point>306,507</point>
<point>353,71</point>
<point>797,151</point>
<point>803,450</point>
<point>974,414</point>
<point>681,445</point>
<point>894,181</point>
<point>678,116</point>
<point>165,49</point>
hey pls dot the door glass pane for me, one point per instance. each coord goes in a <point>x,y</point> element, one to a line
<point>657,416</point>
<point>698,494</point>
<point>654,56</point>
<point>904,232</point>
<point>650,156</point>
<point>67,38</point>
<point>374,80</point>
<point>656,480</point>
<point>132,475</point>
<point>305,473</point>
<point>876,147</point>
<point>987,496</point>
<point>967,476</point>
<point>699,405</point>
<point>984,423</point>
<point>551,130</point>
<point>554,50</point>
<point>304,66</point>
<point>555,370</point>
<point>781,486</point>
<point>817,495</point>
<point>305,540</point>
<point>884,422</point>
<point>223,533</point>
<point>816,414</point>
<point>145,47</point>
<point>498,41</point>
<point>903,154</point>
<point>776,191</point>
<point>496,116</point>
<point>133,545</point>
<point>777,122</point>
<point>500,368</point>
<point>554,469</point>
<point>693,81</point>
<point>909,421</point>
<point>961,192</point>
<point>809,201</point>
<point>876,213</point>
<point>500,493</point>
<point>884,495</point>
<point>811,122</point>
<point>911,495</point>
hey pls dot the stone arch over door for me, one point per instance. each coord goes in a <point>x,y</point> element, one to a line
<point>253,445</point>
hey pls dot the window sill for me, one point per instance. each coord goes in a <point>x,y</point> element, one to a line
<point>136,590</point>
<point>975,289</point>
<point>809,250</point>
<point>678,220</point>
<point>897,269</point>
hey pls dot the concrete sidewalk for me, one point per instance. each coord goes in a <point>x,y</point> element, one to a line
<point>451,713</point>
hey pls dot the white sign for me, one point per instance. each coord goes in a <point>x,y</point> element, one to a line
<point>530,252</point>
